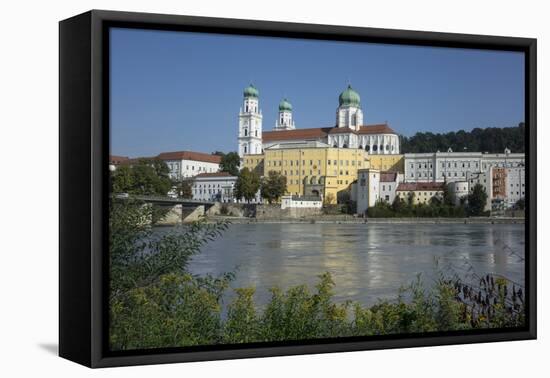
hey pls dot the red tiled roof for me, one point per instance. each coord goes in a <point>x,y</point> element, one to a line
<point>314,133</point>
<point>214,174</point>
<point>189,155</point>
<point>418,186</point>
<point>376,129</point>
<point>322,132</point>
<point>134,160</point>
<point>116,159</point>
<point>388,176</point>
<point>341,130</point>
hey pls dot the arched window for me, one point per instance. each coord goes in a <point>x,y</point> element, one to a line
<point>345,146</point>
<point>245,149</point>
<point>245,132</point>
<point>387,147</point>
<point>354,119</point>
<point>360,146</point>
<point>375,148</point>
<point>367,148</point>
<point>381,148</point>
<point>335,145</point>
<point>256,133</point>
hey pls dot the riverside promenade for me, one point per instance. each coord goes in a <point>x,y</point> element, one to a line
<point>335,219</point>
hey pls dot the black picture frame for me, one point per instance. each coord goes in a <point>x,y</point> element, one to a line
<point>83,156</point>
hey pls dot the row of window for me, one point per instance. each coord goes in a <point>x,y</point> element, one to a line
<point>466,164</point>
<point>207,186</point>
<point>375,148</point>
<point>297,162</point>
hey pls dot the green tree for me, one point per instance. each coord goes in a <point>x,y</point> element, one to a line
<point>149,177</point>
<point>477,200</point>
<point>184,189</point>
<point>230,163</point>
<point>273,186</point>
<point>398,205</point>
<point>247,185</point>
<point>122,180</point>
<point>493,139</point>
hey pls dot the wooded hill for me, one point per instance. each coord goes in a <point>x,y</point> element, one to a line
<point>492,140</point>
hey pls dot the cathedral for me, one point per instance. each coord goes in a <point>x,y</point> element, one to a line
<point>347,132</point>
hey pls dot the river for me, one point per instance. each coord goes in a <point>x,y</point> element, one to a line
<point>367,261</point>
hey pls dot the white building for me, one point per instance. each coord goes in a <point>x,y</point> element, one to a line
<point>515,185</point>
<point>388,185</point>
<point>459,190</point>
<point>184,164</point>
<point>311,202</point>
<point>214,187</point>
<point>250,123</point>
<point>368,192</point>
<point>348,131</point>
<point>456,166</point>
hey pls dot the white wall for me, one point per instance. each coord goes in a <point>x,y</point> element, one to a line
<point>213,188</point>
<point>29,35</point>
<point>190,168</point>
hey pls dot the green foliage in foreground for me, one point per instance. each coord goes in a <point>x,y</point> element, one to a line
<point>155,302</point>
<point>180,310</point>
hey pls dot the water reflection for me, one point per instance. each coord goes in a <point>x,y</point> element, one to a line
<point>367,261</point>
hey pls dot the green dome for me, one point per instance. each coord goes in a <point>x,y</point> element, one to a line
<point>349,97</point>
<point>284,105</point>
<point>251,91</point>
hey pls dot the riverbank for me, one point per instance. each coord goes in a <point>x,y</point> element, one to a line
<point>356,220</point>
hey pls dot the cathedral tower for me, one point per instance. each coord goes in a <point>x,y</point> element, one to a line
<point>285,122</point>
<point>250,123</point>
<point>349,113</point>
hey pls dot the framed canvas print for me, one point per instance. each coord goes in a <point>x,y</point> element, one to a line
<point>234,188</point>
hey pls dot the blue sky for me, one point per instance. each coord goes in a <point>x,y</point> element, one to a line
<point>182,91</point>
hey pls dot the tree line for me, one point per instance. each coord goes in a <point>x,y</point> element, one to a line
<point>491,139</point>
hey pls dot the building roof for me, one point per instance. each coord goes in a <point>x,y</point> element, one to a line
<point>190,155</point>
<point>376,129</point>
<point>116,159</point>
<point>388,176</point>
<point>322,132</point>
<point>306,144</point>
<point>296,134</point>
<point>341,130</point>
<point>349,97</point>
<point>251,91</point>
<point>214,175</point>
<point>419,186</point>
<point>285,106</point>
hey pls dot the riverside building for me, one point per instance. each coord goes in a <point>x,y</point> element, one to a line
<point>316,161</point>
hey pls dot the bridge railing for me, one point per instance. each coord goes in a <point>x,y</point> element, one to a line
<point>165,199</point>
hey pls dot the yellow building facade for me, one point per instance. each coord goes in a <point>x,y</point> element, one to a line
<point>420,192</point>
<point>254,163</point>
<point>312,168</point>
<point>387,163</point>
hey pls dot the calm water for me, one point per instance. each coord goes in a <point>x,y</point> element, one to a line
<point>367,261</point>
